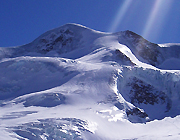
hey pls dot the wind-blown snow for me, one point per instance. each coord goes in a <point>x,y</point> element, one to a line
<point>77,83</point>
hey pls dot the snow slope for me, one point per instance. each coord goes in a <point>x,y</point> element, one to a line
<point>73,82</point>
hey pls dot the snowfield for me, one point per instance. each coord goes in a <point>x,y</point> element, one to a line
<point>73,82</point>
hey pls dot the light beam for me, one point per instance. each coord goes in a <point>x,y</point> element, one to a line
<point>156,17</point>
<point>120,14</point>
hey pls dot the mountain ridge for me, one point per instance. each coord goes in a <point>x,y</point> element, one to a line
<point>55,39</point>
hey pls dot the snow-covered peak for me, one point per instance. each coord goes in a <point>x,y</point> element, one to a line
<point>56,42</point>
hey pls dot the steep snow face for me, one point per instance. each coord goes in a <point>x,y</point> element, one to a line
<point>156,91</point>
<point>76,83</point>
<point>144,50</point>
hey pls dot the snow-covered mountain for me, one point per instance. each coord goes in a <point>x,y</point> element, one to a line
<point>73,82</point>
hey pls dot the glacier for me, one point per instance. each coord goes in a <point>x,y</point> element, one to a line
<point>73,82</point>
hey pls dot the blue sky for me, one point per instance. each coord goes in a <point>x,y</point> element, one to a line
<point>21,21</point>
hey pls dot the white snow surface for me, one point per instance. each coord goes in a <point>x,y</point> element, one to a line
<point>77,83</point>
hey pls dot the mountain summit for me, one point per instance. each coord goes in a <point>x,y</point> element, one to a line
<point>73,82</point>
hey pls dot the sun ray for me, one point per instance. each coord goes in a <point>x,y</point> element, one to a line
<point>151,18</point>
<point>156,17</point>
<point>120,14</point>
